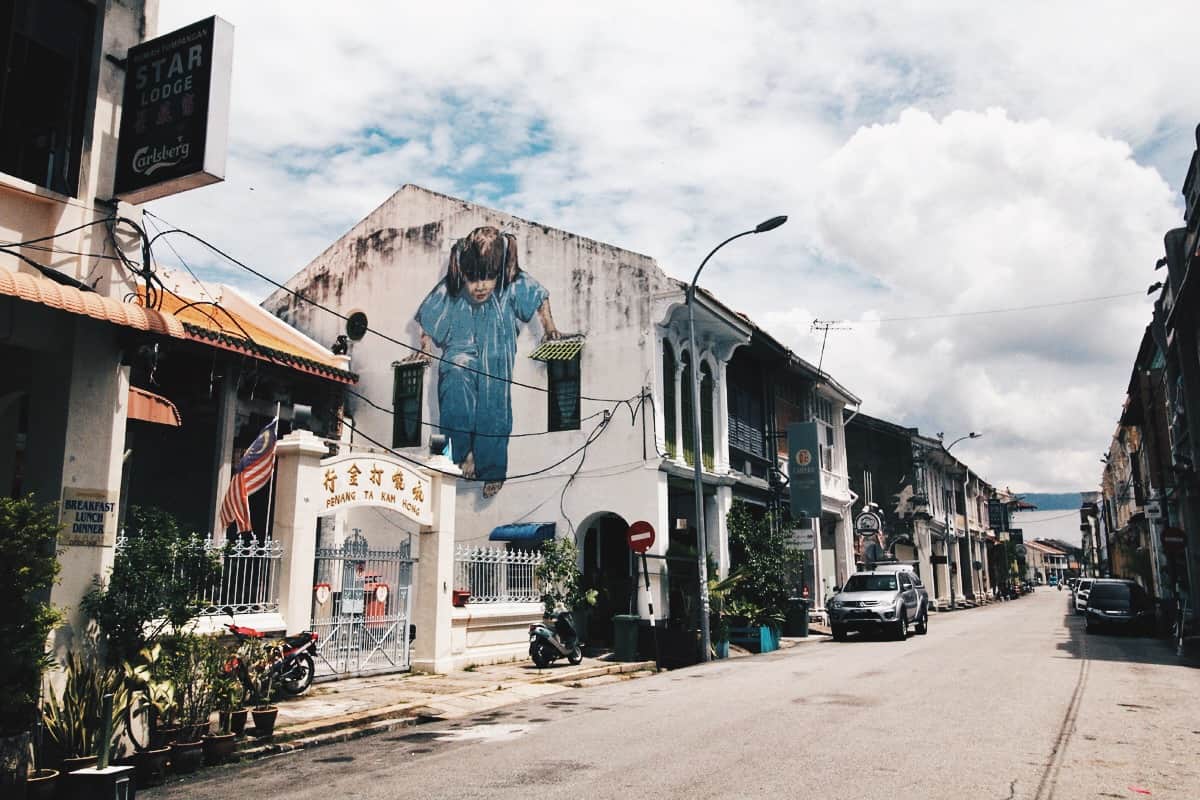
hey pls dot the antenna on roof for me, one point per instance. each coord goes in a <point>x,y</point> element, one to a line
<point>825,326</point>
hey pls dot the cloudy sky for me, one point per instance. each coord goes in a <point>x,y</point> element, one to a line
<point>937,160</point>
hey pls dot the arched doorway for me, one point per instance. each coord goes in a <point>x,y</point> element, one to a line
<point>608,567</point>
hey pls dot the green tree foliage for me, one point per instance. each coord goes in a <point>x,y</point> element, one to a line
<point>28,567</point>
<point>156,577</point>
<point>767,566</point>
<point>559,577</point>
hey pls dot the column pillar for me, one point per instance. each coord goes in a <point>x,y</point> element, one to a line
<point>297,479</point>
<point>435,574</point>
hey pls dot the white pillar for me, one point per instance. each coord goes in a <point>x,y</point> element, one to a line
<point>433,608</point>
<point>297,471</point>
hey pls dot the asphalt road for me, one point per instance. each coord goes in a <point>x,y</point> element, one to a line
<point>1010,701</point>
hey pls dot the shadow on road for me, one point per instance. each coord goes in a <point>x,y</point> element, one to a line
<point>1117,645</point>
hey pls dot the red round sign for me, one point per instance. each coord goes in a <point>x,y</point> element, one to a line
<point>640,536</point>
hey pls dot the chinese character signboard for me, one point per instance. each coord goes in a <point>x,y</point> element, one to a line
<point>175,114</point>
<point>88,517</point>
<point>371,480</point>
<point>804,470</point>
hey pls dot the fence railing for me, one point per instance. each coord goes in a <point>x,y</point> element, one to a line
<point>248,582</point>
<point>493,575</point>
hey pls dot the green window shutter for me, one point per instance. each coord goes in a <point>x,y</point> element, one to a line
<point>685,407</point>
<point>406,404</point>
<point>706,415</point>
<point>563,397</point>
<point>669,399</point>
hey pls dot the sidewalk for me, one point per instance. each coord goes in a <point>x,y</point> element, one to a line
<point>338,711</point>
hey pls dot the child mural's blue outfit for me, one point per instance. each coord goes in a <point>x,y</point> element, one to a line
<point>480,337</point>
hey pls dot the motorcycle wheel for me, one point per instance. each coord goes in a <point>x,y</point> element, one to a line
<point>576,655</point>
<point>301,676</point>
<point>541,654</point>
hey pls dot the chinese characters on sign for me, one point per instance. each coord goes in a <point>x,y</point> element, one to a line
<point>355,480</point>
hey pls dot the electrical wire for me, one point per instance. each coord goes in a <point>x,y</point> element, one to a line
<point>58,233</point>
<point>343,317</point>
<point>1035,307</point>
<point>1074,513</point>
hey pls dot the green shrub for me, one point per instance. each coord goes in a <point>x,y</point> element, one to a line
<point>28,567</point>
<point>768,567</point>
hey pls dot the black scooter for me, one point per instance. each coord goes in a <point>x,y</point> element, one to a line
<point>547,644</point>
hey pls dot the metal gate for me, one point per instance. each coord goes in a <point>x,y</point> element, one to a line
<point>361,606</point>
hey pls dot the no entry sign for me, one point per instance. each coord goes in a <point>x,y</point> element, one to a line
<point>640,536</point>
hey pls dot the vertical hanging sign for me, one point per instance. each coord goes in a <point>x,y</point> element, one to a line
<point>804,470</point>
<point>175,112</point>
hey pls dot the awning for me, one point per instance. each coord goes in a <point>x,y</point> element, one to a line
<point>558,349</point>
<point>150,407</point>
<point>524,532</point>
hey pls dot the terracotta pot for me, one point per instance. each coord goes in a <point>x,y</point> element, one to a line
<point>219,748</point>
<point>264,720</point>
<point>236,721</point>
<point>187,757</point>
<point>71,764</point>
<point>152,766</point>
<point>164,736</point>
<point>41,785</point>
<point>191,733</point>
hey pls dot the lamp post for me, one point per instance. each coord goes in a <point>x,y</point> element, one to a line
<point>697,440</point>
<point>949,528</point>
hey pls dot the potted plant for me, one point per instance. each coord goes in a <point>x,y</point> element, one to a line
<point>72,715</point>
<point>262,679</point>
<point>719,593</point>
<point>768,566</point>
<point>559,578</point>
<point>185,663</point>
<point>28,567</point>
<point>226,695</point>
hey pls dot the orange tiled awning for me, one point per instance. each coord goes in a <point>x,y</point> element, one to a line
<point>89,304</point>
<point>150,407</point>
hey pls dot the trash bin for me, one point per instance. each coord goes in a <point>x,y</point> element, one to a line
<point>796,621</point>
<point>625,636</point>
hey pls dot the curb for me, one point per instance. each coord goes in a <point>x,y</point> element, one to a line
<point>348,727</point>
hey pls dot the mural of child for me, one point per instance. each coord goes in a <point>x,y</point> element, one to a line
<point>473,317</point>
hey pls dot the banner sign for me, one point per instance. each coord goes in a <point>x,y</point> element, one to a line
<point>88,517</point>
<point>175,113</point>
<point>804,470</point>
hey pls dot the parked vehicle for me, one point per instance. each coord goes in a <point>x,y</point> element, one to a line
<point>887,599</point>
<point>1080,597</point>
<point>1053,581</point>
<point>548,644</point>
<point>1118,604</point>
<point>290,662</point>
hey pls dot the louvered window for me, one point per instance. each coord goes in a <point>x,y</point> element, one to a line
<point>406,404</point>
<point>564,394</point>
<point>669,427</point>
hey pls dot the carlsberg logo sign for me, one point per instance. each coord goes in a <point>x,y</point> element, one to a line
<point>148,160</point>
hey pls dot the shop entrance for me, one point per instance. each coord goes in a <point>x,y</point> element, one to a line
<point>608,568</point>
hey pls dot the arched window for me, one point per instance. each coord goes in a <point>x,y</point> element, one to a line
<point>685,407</point>
<point>706,414</point>
<point>670,431</point>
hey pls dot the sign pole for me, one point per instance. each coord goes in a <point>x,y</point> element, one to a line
<point>650,603</point>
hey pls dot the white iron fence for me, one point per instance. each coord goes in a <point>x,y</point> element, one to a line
<point>249,578</point>
<point>493,575</point>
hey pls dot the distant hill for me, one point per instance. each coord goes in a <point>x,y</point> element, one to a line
<point>1063,501</point>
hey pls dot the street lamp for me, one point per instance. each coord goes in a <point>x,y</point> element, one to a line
<point>949,547</point>
<point>697,440</point>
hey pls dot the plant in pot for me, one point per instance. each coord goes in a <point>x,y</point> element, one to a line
<point>226,696</point>
<point>720,592</point>
<point>559,578</point>
<point>260,658</point>
<point>760,548</point>
<point>186,667</point>
<point>28,567</point>
<point>72,714</point>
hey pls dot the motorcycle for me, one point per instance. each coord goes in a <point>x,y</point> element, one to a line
<point>547,644</point>
<point>290,664</point>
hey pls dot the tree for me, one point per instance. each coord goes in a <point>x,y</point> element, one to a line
<point>767,564</point>
<point>559,577</point>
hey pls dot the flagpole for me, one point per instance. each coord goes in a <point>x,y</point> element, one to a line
<point>271,486</point>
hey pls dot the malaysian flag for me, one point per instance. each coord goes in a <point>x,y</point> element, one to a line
<point>253,472</point>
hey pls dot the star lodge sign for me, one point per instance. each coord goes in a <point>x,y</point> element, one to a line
<point>390,483</point>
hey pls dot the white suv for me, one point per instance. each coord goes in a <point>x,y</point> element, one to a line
<point>1080,597</point>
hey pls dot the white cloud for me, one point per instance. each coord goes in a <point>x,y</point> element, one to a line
<point>664,129</point>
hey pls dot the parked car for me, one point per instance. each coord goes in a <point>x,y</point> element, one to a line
<point>888,598</point>
<point>1118,604</point>
<point>1052,580</point>
<point>1080,596</point>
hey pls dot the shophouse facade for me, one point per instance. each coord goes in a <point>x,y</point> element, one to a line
<point>583,423</point>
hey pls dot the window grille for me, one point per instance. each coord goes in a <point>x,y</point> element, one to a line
<point>494,575</point>
<point>406,404</point>
<point>563,397</point>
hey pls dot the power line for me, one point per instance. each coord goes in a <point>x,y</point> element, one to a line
<point>339,315</point>
<point>1035,307</point>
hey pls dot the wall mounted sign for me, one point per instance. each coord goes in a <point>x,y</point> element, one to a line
<point>374,480</point>
<point>322,592</point>
<point>804,470</point>
<point>803,538</point>
<point>175,112</point>
<point>88,517</point>
<point>867,523</point>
